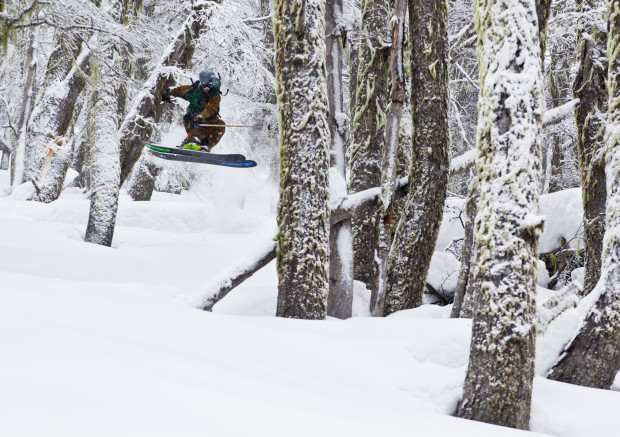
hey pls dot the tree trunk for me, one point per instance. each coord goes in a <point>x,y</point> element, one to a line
<point>369,128</point>
<point>18,168</point>
<point>51,119</point>
<point>499,378</point>
<point>465,290</point>
<point>340,297</point>
<point>104,151</point>
<point>416,235</point>
<point>385,210</point>
<point>467,285</point>
<point>593,357</point>
<point>303,214</point>
<point>591,90</point>
<point>142,181</point>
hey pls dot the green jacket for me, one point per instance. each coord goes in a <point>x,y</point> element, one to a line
<point>205,105</point>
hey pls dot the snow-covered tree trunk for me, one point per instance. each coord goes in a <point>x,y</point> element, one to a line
<point>142,181</point>
<point>366,150</point>
<point>81,142</point>
<point>385,210</point>
<point>592,358</point>
<point>303,214</point>
<point>416,234</point>
<point>18,168</point>
<point>468,280</point>
<point>590,89</point>
<point>53,114</point>
<point>499,378</point>
<point>146,110</point>
<point>340,297</point>
<point>104,139</point>
<point>543,12</point>
<point>6,154</point>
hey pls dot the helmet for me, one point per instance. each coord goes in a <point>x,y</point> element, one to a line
<point>207,78</point>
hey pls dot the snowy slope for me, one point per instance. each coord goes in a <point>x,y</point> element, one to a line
<point>102,341</point>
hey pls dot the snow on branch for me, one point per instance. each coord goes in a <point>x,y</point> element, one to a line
<point>219,288</point>
<point>258,19</point>
<point>462,162</point>
<point>555,115</point>
<point>347,206</point>
<point>561,301</point>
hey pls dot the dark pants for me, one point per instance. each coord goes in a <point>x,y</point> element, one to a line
<point>207,135</point>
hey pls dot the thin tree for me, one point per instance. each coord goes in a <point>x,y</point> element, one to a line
<point>18,167</point>
<point>369,117</point>
<point>385,210</point>
<point>54,111</point>
<point>303,214</point>
<point>416,234</point>
<point>340,298</point>
<point>590,88</point>
<point>498,384</point>
<point>592,358</point>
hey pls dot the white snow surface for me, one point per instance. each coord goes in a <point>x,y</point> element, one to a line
<point>100,341</point>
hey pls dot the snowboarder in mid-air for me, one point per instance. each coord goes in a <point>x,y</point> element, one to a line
<point>204,99</point>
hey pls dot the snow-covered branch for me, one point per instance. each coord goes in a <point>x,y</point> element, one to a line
<point>258,19</point>
<point>553,116</point>
<point>220,288</point>
<point>556,115</point>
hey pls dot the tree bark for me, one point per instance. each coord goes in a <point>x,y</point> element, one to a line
<point>18,168</point>
<point>142,181</point>
<point>340,297</point>
<point>52,117</point>
<point>303,214</point>
<point>385,210</point>
<point>369,128</point>
<point>499,378</point>
<point>592,358</point>
<point>416,235</point>
<point>590,89</point>
<point>104,151</point>
<point>465,289</point>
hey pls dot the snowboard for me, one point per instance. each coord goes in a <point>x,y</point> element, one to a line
<point>185,155</point>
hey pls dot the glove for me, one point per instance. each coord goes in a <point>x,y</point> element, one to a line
<point>165,96</point>
<point>195,123</point>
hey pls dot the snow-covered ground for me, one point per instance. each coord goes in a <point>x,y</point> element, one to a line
<point>99,341</point>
